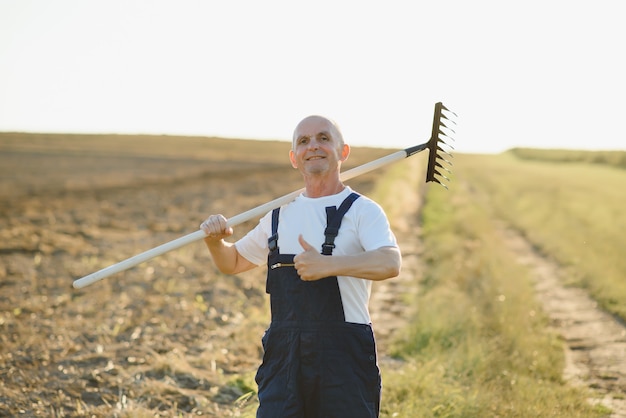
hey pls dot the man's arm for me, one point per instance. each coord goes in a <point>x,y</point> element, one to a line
<point>379,264</point>
<point>225,254</point>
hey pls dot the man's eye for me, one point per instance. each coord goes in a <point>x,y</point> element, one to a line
<point>303,140</point>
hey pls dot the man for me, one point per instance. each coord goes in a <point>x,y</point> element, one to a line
<point>322,250</point>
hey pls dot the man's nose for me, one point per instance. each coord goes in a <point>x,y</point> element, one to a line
<point>313,143</point>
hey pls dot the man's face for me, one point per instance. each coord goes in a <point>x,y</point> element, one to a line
<point>317,148</point>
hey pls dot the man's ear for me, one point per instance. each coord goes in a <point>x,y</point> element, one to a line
<point>292,158</point>
<point>345,152</point>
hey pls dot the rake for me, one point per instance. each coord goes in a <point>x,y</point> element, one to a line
<point>441,130</point>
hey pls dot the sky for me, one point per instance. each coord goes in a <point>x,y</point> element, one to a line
<point>543,74</point>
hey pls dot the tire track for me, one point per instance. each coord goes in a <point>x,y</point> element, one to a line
<point>389,307</point>
<point>595,342</point>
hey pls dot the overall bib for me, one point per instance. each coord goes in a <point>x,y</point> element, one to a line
<point>315,364</point>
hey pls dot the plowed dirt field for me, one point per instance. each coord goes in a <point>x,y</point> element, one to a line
<point>171,335</point>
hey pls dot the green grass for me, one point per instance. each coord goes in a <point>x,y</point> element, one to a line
<point>574,213</point>
<point>479,344</point>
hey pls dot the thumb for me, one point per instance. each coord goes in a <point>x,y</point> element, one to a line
<point>304,244</point>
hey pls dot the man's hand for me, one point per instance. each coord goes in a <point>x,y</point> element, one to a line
<point>215,228</point>
<point>225,254</point>
<point>310,264</point>
<point>380,264</point>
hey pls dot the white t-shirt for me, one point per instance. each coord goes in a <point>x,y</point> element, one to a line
<point>364,228</point>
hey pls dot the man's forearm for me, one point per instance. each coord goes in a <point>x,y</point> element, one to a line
<point>224,255</point>
<point>380,264</point>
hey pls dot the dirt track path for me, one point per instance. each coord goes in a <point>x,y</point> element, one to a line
<point>390,303</point>
<point>595,349</point>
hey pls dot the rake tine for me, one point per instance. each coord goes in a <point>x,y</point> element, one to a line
<point>436,180</point>
<point>440,178</point>
<point>444,135</point>
<point>437,164</point>
<point>442,154</point>
<point>448,110</point>
<point>443,151</point>
<point>441,141</point>
<point>441,175</point>
<point>447,127</point>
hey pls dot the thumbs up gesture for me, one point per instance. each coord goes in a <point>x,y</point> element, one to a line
<point>310,264</point>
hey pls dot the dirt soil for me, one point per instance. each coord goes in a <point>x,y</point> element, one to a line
<point>173,336</point>
<point>595,341</point>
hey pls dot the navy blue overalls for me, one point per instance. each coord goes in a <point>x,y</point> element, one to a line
<point>315,365</point>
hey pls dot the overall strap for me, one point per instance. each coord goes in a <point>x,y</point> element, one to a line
<point>272,242</point>
<point>334,217</point>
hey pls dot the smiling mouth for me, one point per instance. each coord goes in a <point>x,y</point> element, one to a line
<point>315,157</point>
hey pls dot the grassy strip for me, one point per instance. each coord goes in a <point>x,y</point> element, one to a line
<point>611,158</point>
<point>572,212</point>
<point>478,346</point>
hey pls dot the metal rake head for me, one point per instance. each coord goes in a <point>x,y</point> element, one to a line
<point>442,121</point>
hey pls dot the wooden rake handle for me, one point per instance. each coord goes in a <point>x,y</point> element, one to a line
<point>235,220</point>
<point>435,157</point>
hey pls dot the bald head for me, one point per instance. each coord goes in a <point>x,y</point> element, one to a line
<point>315,124</point>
